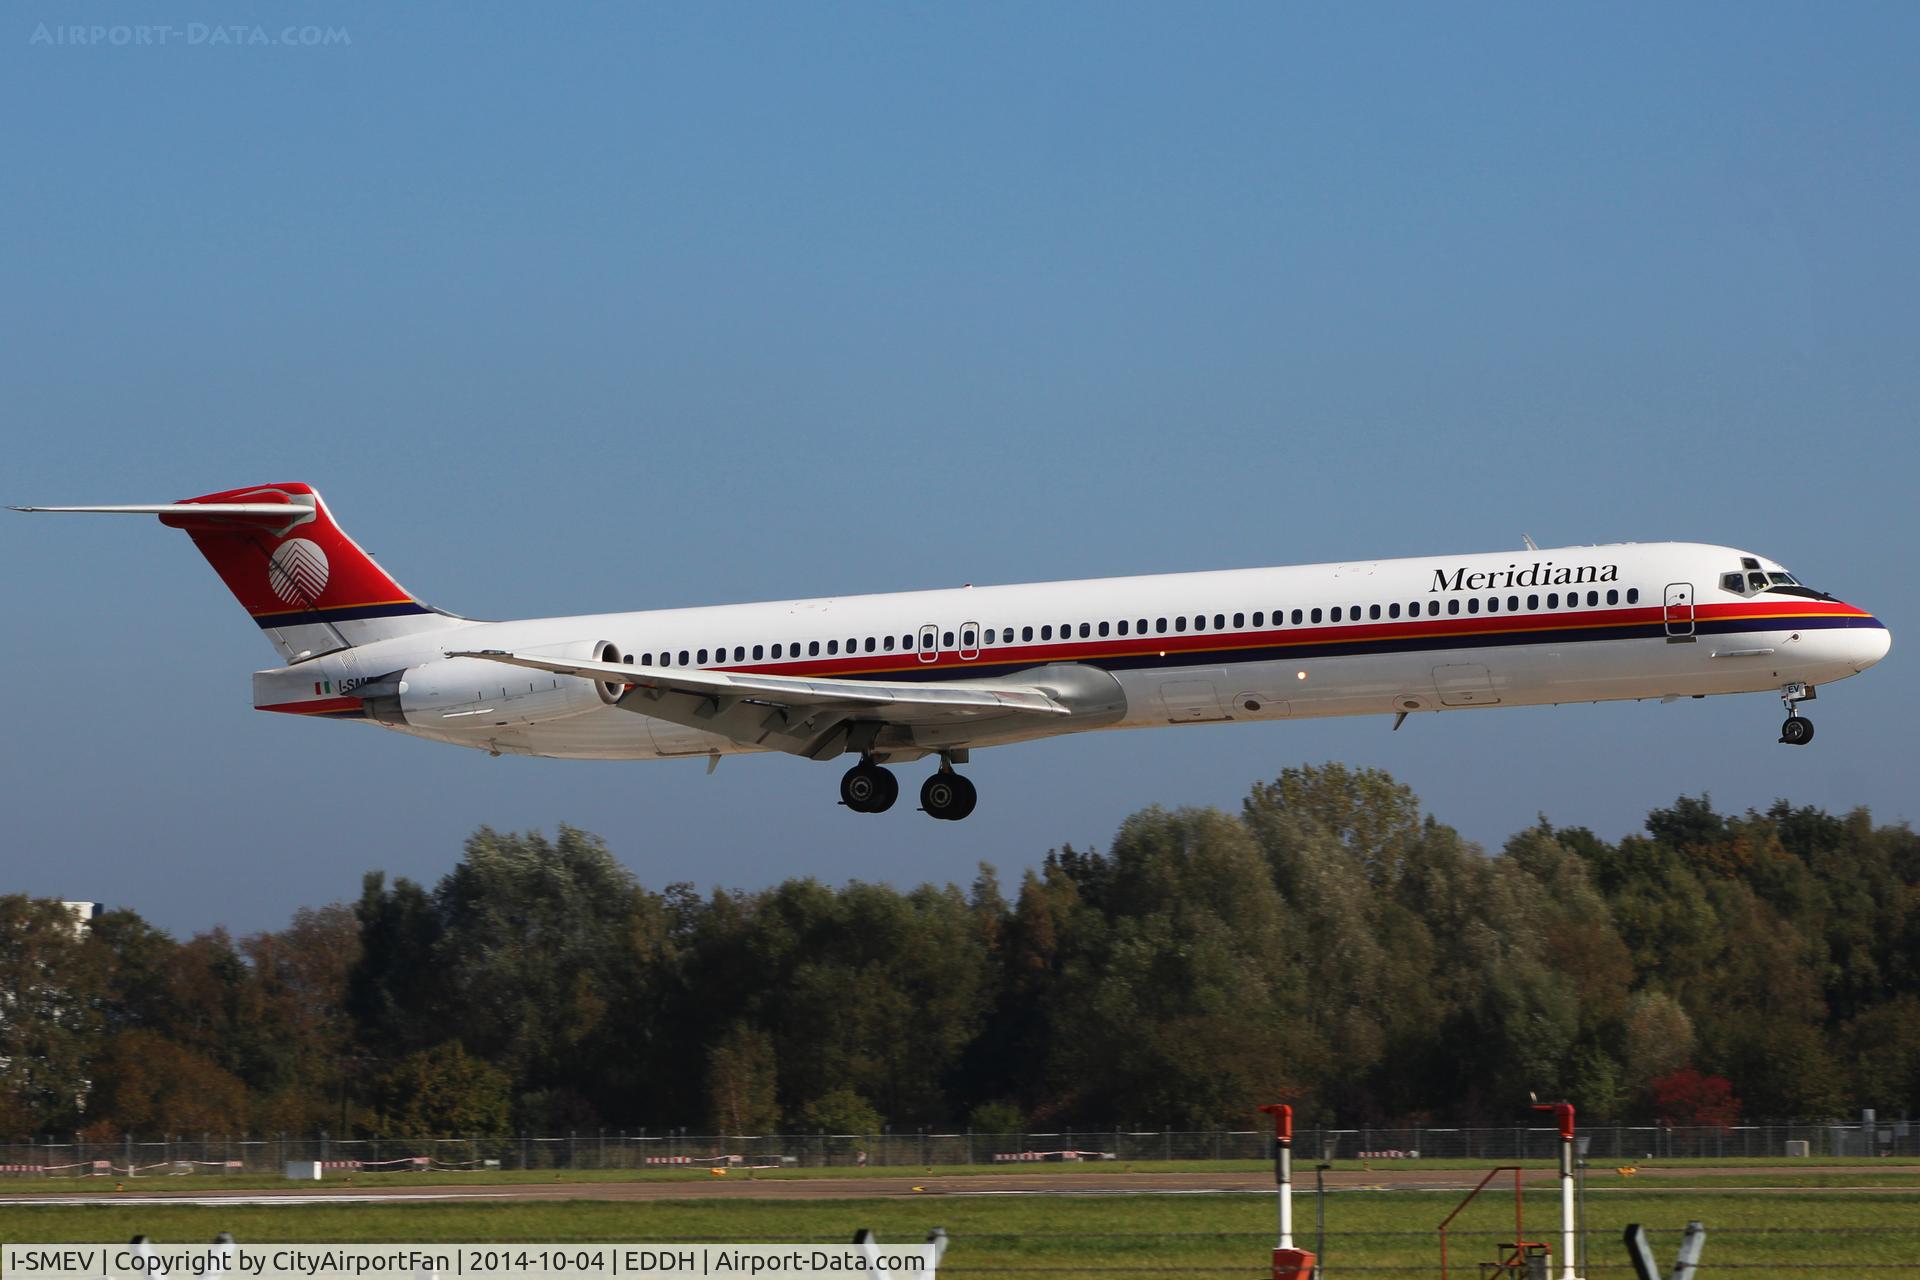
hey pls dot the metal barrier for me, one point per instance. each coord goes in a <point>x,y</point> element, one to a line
<point>613,1150</point>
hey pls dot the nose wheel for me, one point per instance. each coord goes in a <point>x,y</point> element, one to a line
<point>867,788</point>
<point>947,796</point>
<point>1798,730</point>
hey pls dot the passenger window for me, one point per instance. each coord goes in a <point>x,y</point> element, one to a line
<point>703,657</point>
<point>759,652</point>
<point>1453,605</point>
<point>1613,597</point>
<point>1160,625</point>
<point>1373,610</point>
<point>1493,604</point>
<point>646,659</point>
<point>1006,635</point>
<point>886,642</point>
<point>1239,621</point>
<point>1046,632</point>
<point>1333,614</point>
<point>813,648</point>
<point>1513,604</point>
<point>1180,623</point>
<point>1140,627</point>
<point>1533,603</point>
<point>1103,628</point>
<point>869,644</point>
<point>1259,619</point>
<point>1123,626</point>
<point>776,651</point>
<point>1219,622</point>
<point>1732,582</point>
<point>1085,630</point>
<point>739,653</point>
<point>1393,610</point>
<point>1553,599</point>
<point>684,659</point>
<point>1593,598</point>
<point>1200,622</point>
<point>966,638</point>
<point>1297,616</point>
<point>1633,595</point>
<point>1026,633</point>
<point>1316,615</point>
<point>1473,605</point>
<point>946,638</point>
<point>833,646</point>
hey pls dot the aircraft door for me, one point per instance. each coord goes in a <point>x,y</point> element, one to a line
<point>929,643</point>
<point>1679,611</point>
<point>969,641</point>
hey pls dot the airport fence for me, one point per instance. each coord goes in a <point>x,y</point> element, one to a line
<point>137,1156</point>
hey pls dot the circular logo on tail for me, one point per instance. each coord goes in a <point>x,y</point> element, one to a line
<point>298,571</point>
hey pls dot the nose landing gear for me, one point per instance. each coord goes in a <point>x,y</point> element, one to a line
<point>1798,730</point>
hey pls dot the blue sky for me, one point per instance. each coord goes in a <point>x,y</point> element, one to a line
<point>633,306</point>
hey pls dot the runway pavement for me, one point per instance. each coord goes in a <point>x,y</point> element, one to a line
<point>906,1185</point>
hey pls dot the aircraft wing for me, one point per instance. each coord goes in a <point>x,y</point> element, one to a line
<point>806,716</point>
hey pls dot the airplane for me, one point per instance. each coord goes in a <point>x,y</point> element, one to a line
<point>901,677</point>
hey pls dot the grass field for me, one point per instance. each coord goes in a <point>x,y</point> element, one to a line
<point>1068,1238</point>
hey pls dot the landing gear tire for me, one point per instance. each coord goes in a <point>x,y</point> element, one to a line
<point>948,796</point>
<point>1797,731</point>
<point>867,788</point>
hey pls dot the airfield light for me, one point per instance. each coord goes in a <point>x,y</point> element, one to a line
<point>1563,1116</point>
<point>1289,1263</point>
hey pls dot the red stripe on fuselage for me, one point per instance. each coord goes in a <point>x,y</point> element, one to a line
<point>313,706</point>
<point>1190,644</point>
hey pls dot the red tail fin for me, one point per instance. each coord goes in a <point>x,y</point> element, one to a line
<point>306,583</point>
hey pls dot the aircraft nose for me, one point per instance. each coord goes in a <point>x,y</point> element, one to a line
<point>1870,644</point>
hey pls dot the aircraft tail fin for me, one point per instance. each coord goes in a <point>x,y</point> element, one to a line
<point>297,574</point>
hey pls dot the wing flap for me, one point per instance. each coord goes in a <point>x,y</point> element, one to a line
<point>903,698</point>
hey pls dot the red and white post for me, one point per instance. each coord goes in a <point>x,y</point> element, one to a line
<point>1289,1263</point>
<point>1563,1114</point>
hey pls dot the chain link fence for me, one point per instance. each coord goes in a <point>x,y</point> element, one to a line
<point>606,1149</point>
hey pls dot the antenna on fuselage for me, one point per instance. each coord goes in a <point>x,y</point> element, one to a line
<point>1531,544</point>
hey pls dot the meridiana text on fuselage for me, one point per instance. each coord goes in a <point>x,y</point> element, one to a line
<point>1541,573</point>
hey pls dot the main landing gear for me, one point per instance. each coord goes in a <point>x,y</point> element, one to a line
<point>1798,730</point>
<point>868,788</point>
<point>947,795</point>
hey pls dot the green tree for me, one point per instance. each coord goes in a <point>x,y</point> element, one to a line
<point>53,988</point>
<point>443,1092</point>
<point>150,1085</point>
<point>840,1111</point>
<point>742,1081</point>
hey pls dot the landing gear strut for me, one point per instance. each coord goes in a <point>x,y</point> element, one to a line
<point>947,796</point>
<point>867,788</point>
<point>1798,730</point>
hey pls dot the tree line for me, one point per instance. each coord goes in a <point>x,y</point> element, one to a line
<point>1327,944</point>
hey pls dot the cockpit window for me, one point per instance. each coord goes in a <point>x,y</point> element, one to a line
<point>1784,579</point>
<point>1757,580</point>
<point>1733,582</point>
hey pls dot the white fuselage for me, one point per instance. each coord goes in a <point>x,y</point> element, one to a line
<point>1430,633</point>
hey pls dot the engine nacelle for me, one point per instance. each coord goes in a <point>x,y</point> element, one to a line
<point>457,694</point>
